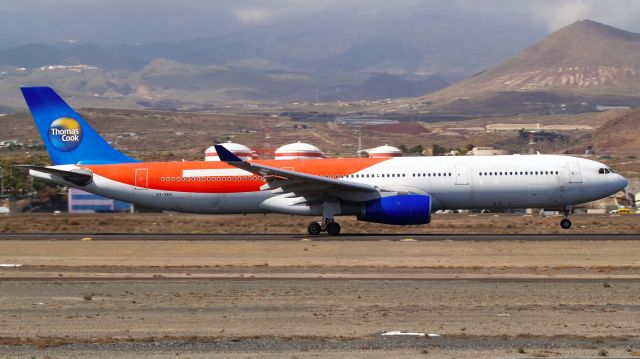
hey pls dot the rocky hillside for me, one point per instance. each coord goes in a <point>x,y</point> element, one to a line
<point>619,135</point>
<point>583,62</point>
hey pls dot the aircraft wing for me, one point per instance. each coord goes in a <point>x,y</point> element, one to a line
<point>286,181</point>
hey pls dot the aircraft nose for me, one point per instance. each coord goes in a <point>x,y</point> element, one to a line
<point>621,182</point>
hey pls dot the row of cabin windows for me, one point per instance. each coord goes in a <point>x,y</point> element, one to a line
<point>437,174</point>
<point>208,179</point>
<point>386,175</point>
<point>518,173</point>
<point>378,175</point>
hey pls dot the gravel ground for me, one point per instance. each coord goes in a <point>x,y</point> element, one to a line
<point>310,318</point>
<point>274,223</point>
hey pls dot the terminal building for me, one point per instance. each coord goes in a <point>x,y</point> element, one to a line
<point>85,202</point>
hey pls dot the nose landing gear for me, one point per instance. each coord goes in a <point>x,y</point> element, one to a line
<point>565,223</point>
<point>327,224</point>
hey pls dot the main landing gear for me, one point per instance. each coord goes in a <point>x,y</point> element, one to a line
<point>565,223</point>
<point>330,208</point>
<point>328,225</point>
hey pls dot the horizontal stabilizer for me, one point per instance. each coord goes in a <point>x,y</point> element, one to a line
<point>79,177</point>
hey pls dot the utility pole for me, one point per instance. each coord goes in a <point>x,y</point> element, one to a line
<point>359,127</point>
<point>1,182</point>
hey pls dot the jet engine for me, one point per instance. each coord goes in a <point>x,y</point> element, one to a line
<point>398,209</point>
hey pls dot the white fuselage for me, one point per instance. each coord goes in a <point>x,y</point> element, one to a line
<point>462,182</point>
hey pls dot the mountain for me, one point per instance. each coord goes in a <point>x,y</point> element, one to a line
<point>331,55</point>
<point>30,55</point>
<point>382,86</point>
<point>619,135</point>
<point>583,62</point>
<point>37,55</point>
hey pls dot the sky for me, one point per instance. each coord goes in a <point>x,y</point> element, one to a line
<point>140,21</point>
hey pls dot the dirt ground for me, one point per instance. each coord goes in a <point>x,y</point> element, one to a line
<point>190,223</point>
<point>318,318</point>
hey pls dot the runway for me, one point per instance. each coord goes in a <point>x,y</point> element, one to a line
<point>368,257</point>
<point>153,295</point>
<point>323,238</point>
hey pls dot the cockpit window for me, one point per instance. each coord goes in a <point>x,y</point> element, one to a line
<point>605,170</point>
<point>601,170</point>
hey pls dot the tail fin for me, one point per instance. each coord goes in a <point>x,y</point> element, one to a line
<point>67,137</point>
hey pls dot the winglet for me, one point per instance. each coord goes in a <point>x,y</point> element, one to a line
<point>225,155</point>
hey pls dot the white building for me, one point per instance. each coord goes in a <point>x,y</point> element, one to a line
<point>242,151</point>
<point>487,151</point>
<point>385,151</point>
<point>298,150</point>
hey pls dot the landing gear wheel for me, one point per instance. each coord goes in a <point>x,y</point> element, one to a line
<point>565,224</point>
<point>314,228</point>
<point>333,229</point>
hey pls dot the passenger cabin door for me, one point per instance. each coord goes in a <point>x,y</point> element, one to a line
<point>142,178</point>
<point>574,173</point>
<point>462,175</point>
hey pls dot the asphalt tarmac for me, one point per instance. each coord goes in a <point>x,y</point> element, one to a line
<point>322,237</point>
<point>161,295</point>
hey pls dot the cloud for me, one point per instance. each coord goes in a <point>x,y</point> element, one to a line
<point>253,15</point>
<point>561,13</point>
<point>554,14</point>
<point>160,20</point>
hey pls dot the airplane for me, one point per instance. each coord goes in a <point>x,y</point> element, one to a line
<point>395,191</point>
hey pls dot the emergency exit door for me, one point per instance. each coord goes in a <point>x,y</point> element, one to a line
<point>462,175</point>
<point>574,173</point>
<point>142,178</point>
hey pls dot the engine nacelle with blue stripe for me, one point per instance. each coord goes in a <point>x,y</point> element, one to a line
<point>398,209</point>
